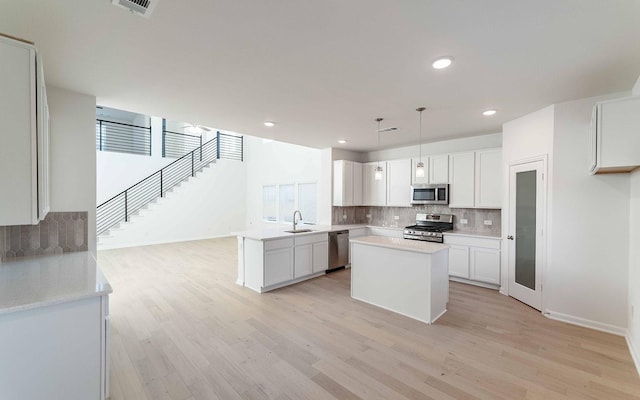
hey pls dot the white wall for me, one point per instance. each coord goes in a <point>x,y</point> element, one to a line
<point>446,146</point>
<point>211,205</point>
<point>73,155</point>
<point>589,254</point>
<point>633,336</point>
<point>118,171</point>
<point>272,162</point>
<point>524,138</point>
<point>636,88</point>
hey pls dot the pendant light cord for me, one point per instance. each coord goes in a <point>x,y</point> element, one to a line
<point>420,110</point>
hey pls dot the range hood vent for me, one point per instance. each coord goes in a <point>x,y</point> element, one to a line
<point>140,7</point>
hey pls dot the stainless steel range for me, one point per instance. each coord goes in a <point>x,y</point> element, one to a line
<point>429,227</point>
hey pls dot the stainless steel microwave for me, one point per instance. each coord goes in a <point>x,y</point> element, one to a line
<point>430,194</point>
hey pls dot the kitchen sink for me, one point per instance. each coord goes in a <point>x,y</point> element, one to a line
<point>299,230</point>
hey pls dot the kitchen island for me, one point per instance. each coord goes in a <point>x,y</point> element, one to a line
<point>404,276</point>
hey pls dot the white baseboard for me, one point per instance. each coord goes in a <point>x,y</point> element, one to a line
<point>633,349</point>
<point>474,283</point>
<point>585,323</point>
<point>152,243</point>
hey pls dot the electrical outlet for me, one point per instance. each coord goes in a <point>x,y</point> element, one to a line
<point>344,216</point>
<point>488,222</point>
<point>464,221</point>
<point>395,217</point>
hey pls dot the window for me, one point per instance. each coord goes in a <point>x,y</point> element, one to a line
<point>287,202</point>
<point>307,202</point>
<point>280,201</point>
<point>269,203</point>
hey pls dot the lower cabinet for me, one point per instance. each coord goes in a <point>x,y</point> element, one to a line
<point>475,259</point>
<point>268,264</point>
<point>459,261</point>
<point>278,261</point>
<point>320,256</point>
<point>58,351</point>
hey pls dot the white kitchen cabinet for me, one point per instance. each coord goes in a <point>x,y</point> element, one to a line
<point>420,179</point>
<point>459,261</point>
<point>439,168</point>
<point>615,136</point>
<point>268,264</point>
<point>399,183</point>
<point>24,152</point>
<point>303,260</point>
<point>375,191</point>
<point>320,256</point>
<point>347,183</point>
<point>462,180</point>
<point>488,193</point>
<point>311,254</point>
<point>474,259</point>
<point>278,261</point>
<point>485,265</point>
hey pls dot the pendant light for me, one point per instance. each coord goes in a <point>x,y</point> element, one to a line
<point>378,171</point>
<point>420,165</point>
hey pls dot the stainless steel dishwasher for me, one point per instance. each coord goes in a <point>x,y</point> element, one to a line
<point>338,249</point>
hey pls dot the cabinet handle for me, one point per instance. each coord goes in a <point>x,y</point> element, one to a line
<point>510,237</point>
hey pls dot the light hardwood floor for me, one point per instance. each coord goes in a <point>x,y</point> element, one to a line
<point>182,329</point>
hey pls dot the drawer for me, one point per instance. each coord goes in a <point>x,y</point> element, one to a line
<point>487,243</point>
<point>278,243</point>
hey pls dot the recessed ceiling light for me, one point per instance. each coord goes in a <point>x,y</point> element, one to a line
<point>488,113</point>
<point>269,124</point>
<point>442,62</point>
<point>342,141</point>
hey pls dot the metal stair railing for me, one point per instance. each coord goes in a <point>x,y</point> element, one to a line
<point>123,138</point>
<point>121,206</point>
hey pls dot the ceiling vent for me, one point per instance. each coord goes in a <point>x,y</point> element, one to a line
<point>140,7</point>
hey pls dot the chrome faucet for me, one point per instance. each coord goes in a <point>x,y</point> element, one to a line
<point>295,223</point>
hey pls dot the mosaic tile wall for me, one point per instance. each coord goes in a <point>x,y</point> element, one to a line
<point>59,232</point>
<point>384,216</point>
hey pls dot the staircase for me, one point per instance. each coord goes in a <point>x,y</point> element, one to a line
<point>114,214</point>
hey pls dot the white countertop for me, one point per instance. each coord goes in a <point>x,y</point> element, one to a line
<point>474,234</point>
<point>401,244</point>
<point>43,281</point>
<point>278,231</point>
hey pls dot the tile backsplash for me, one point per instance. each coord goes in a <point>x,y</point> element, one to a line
<point>385,216</point>
<point>59,232</point>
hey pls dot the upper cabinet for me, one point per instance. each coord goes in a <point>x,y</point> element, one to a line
<point>439,169</point>
<point>399,174</point>
<point>615,136</point>
<point>24,136</point>
<point>488,179</point>
<point>476,179</point>
<point>347,183</point>
<point>374,190</point>
<point>462,178</point>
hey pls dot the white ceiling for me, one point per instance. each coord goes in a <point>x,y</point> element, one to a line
<point>325,69</point>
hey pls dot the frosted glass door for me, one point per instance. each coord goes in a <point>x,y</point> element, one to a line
<point>526,226</point>
<point>525,256</point>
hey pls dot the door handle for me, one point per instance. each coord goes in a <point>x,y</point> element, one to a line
<point>510,237</point>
